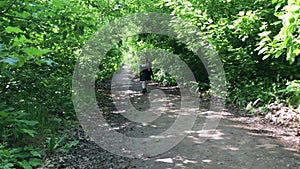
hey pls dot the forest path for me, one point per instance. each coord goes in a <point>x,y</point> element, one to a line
<point>232,145</point>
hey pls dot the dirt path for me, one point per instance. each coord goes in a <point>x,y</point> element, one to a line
<point>233,145</point>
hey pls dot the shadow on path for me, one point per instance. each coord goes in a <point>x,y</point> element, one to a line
<point>232,145</point>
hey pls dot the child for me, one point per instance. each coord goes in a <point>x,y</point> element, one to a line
<point>145,69</point>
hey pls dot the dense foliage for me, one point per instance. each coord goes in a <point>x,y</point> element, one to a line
<point>258,42</point>
<point>39,45</point>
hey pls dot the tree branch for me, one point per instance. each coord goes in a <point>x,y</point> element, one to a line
<point>17,17</point>
<point>9,7</point>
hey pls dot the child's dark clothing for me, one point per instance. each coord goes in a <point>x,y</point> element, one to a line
<point>145,71</point>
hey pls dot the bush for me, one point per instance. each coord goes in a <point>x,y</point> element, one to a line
<point>26,157</point>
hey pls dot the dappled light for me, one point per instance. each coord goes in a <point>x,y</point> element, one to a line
<point>160,84</point>
<point>225,148</point>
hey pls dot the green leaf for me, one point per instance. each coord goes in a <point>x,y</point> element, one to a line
<point>8,166</point>
<point>296,52</point>
<point>291,8</point>
<point>11,29</point>
<point>4,4</point>
<point>29,132</point>
<point>59,4</point>
<point>35,162</point>
<point>266,33</point>
<point>28,148</point>
<point>32,51</point>
<point>25,164</point>
<point>30,122</point>
<point>66,147</point>
<point>22,155</point>
<point>49,62</point>
<point>36,153</point>
<point>265,57</point>
<point>2,46</point>
<point>23,39</point>
<point>11,61</point>
<point>16,42</point>
<point>262,51</point>
<point>3,114</point>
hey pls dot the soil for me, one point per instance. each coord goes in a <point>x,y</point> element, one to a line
<point>238,141</point>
